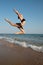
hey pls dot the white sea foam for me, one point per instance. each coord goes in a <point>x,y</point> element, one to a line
<point>37,48</point>
<point>34,47</point>
<point>23,44</point>
<point>14,41</point>
<point>10,40</point>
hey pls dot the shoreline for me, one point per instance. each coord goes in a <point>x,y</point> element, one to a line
<point>12,54</point>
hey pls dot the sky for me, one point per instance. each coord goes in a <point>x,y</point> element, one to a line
<point>32,11</point>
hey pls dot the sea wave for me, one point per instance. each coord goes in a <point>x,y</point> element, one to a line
<point>23,43</point>
<point>36,48</point>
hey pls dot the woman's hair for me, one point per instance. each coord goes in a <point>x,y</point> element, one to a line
<point>18,17</point>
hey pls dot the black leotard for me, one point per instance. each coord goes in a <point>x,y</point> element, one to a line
<point>22,20</point>
<point>19,25</point>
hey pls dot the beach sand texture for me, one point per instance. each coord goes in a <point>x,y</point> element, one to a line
<point>11,54</point>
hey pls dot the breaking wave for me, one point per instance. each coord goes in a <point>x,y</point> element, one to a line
<point>23,43</point>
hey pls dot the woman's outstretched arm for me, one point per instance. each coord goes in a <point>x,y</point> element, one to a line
<point>16,11</point>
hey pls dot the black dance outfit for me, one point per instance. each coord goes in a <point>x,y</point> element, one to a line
<point>19,24</point>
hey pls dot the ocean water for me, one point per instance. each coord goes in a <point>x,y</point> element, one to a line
<point>34,41</point>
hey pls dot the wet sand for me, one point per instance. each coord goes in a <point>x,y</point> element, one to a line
<point>11,54</point>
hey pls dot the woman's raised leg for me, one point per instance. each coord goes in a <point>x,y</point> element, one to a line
<point>12,24</point>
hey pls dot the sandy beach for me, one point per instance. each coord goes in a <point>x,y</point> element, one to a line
<point>11,54</point>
